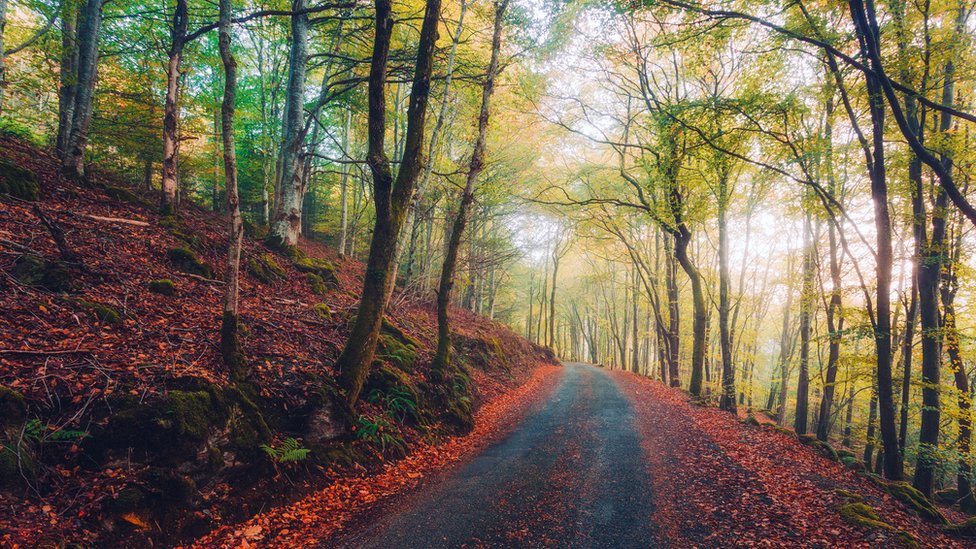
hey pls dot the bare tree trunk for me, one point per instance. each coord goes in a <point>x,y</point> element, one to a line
<point>230,344</point>
<point>391,198</point>
<point>171,108</point>
<point>286,222</point>
<point>674,325</point>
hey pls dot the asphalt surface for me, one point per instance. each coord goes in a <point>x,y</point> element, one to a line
<point>571,475</point>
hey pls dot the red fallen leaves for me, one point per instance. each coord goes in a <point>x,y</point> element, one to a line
<point>66,362</point>
<point>718,482</point>
<point>321,515</point>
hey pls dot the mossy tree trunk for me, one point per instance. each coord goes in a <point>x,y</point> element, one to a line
<point>391,197</point>
<point>230,340</point>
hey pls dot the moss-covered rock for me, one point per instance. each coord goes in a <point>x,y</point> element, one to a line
<point>915,500</point>
<point>844,453</point>
<point>323,311</point>
<point>393,350</point>
<point>751,420</point>
<point>316,283</point>
<point>264,268</point>
<point>187,261</point>
<point>947,497</point>
<point>862,514</point>
<point>170,221</point>
<point>122,194</point>
<point>17,182</point>
<point>848,495</point>
<point>54,276</point>
<point>254,230</point>
<point>322,268</point>
<point>966,528</point>
<point>101,312</point>
<point>163,286</point>
<point>852,463</point>
<point>13,407</point>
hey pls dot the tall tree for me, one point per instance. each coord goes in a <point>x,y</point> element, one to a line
<point>391,197</point>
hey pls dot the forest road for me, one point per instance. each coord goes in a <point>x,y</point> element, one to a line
<point>571,475</point>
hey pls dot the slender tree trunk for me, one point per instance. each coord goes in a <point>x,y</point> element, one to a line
<point>964,477</point>
<point>68,75</point>
<point>171,107</point>
<point>229,338</point>
<point>674,325</point>
<point>727,400</point>
<point>682,240</point>
<point>391,197</point>
<point>344,187</point>
<point>286,222</point>
<point>441,360</point>
<point>807,301</point>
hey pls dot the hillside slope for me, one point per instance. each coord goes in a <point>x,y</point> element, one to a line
<point>119,421</point>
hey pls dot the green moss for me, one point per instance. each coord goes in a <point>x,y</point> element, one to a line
<point>843,453</point>
<point>163,286</point>
<point>187,261</point>
<point>316,282</point>
<point>125,195</point>
<point>323,311</point>
<point>343,456</point>
<point>53,276</point>
<point>247,428</point>
<point>848,495</point>
<point>17,182</point>
<point>321,268</point>
<point>751,420</point>
<point>264,268</point>
<point>191,413</point>
<point>915,500</point>
<point>390,329</point>
<point>393,350</point>
<point>826,450</point>
<point>862,514</point>
<point>16,464</point>
<point>170,221</point>
<point>102,312</point>
<point>852,463</point>
<point>191,241</point>
<point>130,498</point>
<point>13,407</point>
<point>230,347</point>
<point>966,528</point>
<point>907,538</point>
<point>255,231</point>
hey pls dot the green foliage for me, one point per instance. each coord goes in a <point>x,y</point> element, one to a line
<point>399,402</point>
<point>38,431</point>
<point>290,451</point>
<point>14,129</point>
<point>381,434</point>
<point>163,286</point>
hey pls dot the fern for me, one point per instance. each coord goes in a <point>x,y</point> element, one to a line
<point>378,432</point>
<point>399,402</point>
<point>290,451</point>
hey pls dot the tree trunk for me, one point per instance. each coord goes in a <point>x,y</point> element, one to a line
<point>344,186</point>
<point>89,29</point>
<point>681,241</point>
<point>286,222</point>
<point>230,341</point>
<point>727,399</point>
<point>441,361</point>
<point>674,325</point>
<point>391,198</point>
<point>68,75</point>
<point>807,302</point>
<point>171,108</point>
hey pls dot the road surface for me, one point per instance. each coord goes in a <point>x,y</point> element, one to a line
<point>571,475</point>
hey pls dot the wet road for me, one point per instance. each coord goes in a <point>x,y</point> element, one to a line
<point>571,475</point>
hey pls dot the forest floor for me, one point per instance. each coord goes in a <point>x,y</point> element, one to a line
<point>614,460</point>
<point>119,425</point>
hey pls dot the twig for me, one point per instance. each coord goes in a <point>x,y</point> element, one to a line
<point>135,222</point>
<point>43,352</point>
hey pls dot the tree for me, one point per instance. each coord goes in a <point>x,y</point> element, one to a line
<point>392,196</point>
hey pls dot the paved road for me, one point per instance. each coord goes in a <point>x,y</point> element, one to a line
<point>572,475</point>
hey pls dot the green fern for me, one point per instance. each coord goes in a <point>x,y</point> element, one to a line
<point>290,451</point>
